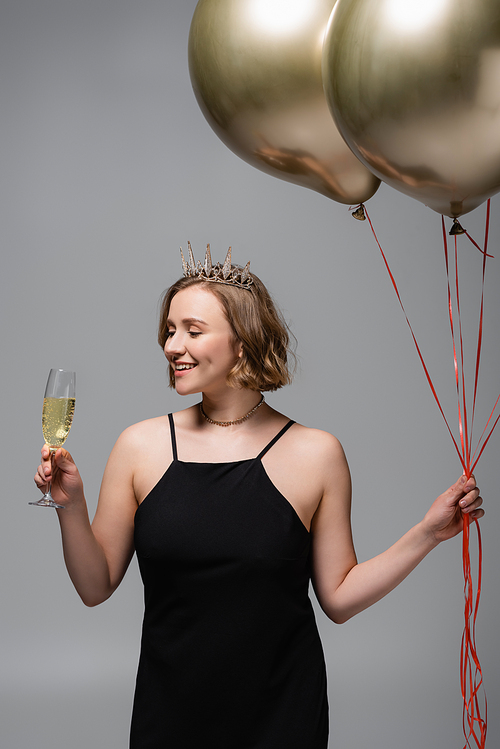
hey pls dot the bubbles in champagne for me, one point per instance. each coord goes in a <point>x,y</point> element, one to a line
<point>57,415</point>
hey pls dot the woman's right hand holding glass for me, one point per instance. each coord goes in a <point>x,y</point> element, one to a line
<point>61,471</point>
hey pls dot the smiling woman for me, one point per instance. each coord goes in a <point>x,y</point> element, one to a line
<point>254,322</point>
<point>200,348</point>
<point>230,526</point>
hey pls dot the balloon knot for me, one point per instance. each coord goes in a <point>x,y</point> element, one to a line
<point>456,228</point>
<point>359,213</point>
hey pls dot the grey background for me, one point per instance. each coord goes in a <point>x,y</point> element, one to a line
<point>107,167</point>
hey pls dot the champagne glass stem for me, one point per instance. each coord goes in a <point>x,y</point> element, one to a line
<point>49,485</point>
<point>46,500</point>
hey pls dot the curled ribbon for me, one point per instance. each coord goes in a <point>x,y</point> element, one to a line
<point>471,677</point>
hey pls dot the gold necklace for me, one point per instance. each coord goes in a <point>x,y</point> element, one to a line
<point>236,421</point>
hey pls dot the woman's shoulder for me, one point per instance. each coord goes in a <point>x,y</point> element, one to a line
<point>312,443</point>
<point>316,442</point>
<point>314,460</point>
<point>139,435</point>
<point>152,428</point>
<point>320,455</point>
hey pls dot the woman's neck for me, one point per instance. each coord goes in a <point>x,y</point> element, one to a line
<point>231,406</point>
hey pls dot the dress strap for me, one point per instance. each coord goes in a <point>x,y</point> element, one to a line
<point>275,439</point>
<point>172,436</point>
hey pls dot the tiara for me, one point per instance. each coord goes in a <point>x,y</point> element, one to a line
<point>219,273</point>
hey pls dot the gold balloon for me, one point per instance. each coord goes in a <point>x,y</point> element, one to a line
<point>255,68</point>
<point>414,86</point>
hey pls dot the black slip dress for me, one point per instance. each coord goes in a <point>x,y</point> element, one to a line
<point>230,653</point>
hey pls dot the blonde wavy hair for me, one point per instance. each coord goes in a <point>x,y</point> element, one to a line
<point>256,322</point>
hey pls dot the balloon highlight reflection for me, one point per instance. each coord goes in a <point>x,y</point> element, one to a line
<point>255,68</point>
<point>414,88</point>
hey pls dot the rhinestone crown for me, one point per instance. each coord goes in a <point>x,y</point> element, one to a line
<point>218,273</point>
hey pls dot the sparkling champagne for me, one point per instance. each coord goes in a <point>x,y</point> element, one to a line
<point>57,415</point>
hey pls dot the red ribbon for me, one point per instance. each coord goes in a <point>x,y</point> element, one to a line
<point>471,677</point>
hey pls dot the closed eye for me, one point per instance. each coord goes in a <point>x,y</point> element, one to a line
<point>194,333</point>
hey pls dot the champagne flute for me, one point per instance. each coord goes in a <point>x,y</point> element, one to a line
<point>57,415</point>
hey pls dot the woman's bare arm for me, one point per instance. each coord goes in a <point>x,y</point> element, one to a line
<point>96,555</point>
<point>344,587</point>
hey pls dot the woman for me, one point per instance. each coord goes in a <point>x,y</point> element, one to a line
<point>232,508</point>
